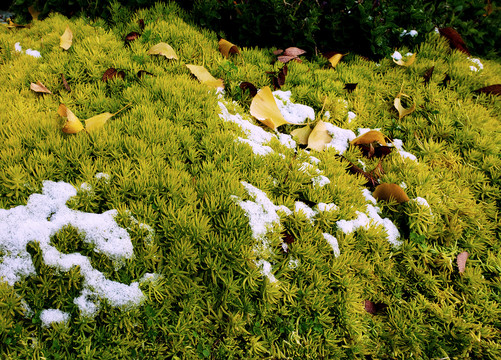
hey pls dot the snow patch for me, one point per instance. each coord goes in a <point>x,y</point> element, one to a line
<point>340,138</point>
<point>333,243</point>
<point>399,145</point>
<point>293,113</point>
<point>51,316</point>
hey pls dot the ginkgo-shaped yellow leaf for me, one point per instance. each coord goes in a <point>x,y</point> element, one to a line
<point>407,62</point>
<point>204,76</point>
<point>40,88</point>
<point>66,38</point>
<point>400,108</point>
<point>302,134</point>
<point>163,49</point>
<point>370,137</point>
<point>72,124</point>
<point>335,59</point>
<point>97,122</point>
<point>319,137</point>
<point>388,191</point>
<point>264,108</point>
<point>33,12</point>
<point>226,48</point>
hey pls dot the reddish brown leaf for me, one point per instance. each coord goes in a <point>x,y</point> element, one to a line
<point>140,73</point>
<point>293,51</point>
<point>65,83</point>
<point>492,89</point>
<point>350,87</point>
<point>377,152</point>
<point>455,40</point>
<point>281,75</point>
<point>374,308</point>
<point>427,75</point>
<point>131,36</point>
<point>141,23</point>
<point>112,73</point>
<point>288,237</point>
<point>461,261</point>
<point>278,52</point>
<point>248,86</point>
<point>286,58</point>
<point>354,169</point>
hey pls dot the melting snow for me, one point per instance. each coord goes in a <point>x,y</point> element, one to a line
<point>340,138</point>
<point>333,243</point>
<point>30,52</point>
<point>301,207</point>
<point>293,113</point>
<point>51,316</point>
<point>320,180</point>
<point>399,145</point>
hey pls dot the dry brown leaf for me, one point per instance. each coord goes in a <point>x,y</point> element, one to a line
<point>278,52</point>
<point>112,73</point>
<point>461,261</point>
<point>401,110</point>
<point>97,122</point>
<point>492,89</point>
<point>66,38</point>
<point>302,134</point>
<point>34,13</point>
<point>141,73</point>
<point>39,88</point>
<point>264,108</point>
<point>319,137</point>
<point>226,48</point>
<point>163,49</point>
<point>374,308</point>
<point>350,87</point>
<point>293,51</point>
<point>248,86</point>
<point>65,83</point>
<point>388,191</point>
<point>455,40</point>
<point>204,76</point>
<point>72,124</point>
<point>407,62</point>
<point>427,75</point>
<point>370,137</point>
<point>131,36</point>
<point>286,58</point>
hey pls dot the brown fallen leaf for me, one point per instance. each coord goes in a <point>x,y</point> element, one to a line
<point>407,62</point>
<point>319,137</point>
<point>286,58</point>
<point>226,48</point>
<point>131,36</point>
<point>39,88</point>
<point>371,176</point>
<point>140,73</point>
<point>204,76</point>
<point>388,191</point>
<point>288,237</point>
<point>446,81</point>
<point>302,134</point>
<point>370,151</point>
<point>163,49</point>
<point>491,89</point>
<point>427,75</point>
<point>66,39</point>
<point>293,51</point>
<point>72,124</point>
<point>401,110</point>
<point>112,73</point>
<point>65,83</point>
<point>33,12</point>
<point>372,136</point>
<point>374,308</point>
<point>461,261</point>
<point>278,52</point>
<point>264,108</point>
<point>350,87</point>
<point>248,86</point>
<point>141,23</point>
<point>455,39</point>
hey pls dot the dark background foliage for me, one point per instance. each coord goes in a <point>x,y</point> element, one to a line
<point>370,28</point>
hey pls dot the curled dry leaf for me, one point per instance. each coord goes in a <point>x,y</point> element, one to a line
<point>140,73</point>
<point>370,151</point>
<point>293,51</point>
<point>264,108</point>
<point>204,76</point>
<point>372,136</point>
<point>66,38</point>
<point>226,48</point>
<point>131,36</point>
<point>112,73</point>
<point>455,40</point>
<point>39,88</point>
<point>388,191</point>
<point>427,75</point>
<point>163,49</point>
<point>319,137</point>
<point>302,134</point>
<point>407,62</point>
<point>374,308</point>
<point>492,89</point>
<point>65,83</point>
<point>72,124</point>
<point>277,52</point>
<point>286,58</point>
<point>461,261</point>
<point>335,59</point>
<point>401,110</point>
<point>248,86</point>
<point>350,87</point>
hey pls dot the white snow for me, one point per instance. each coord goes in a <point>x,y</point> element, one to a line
<point>257,148</point>
<point>327,115</point>
<point>411,33</point>
<point>293,113</point>
<point>368,196</point>
<point>333,243</point>
<point>308,212</point>
<point>403,185</point>
<point>320,180</point>
<point>34,53</point>
<point>340,138</point>
<point>51,316</point>
<point>43,216</point>
<point>293,263</point>
<point>327,207</point>
<point>399,145</point>
<point>265,267</point>
<point>422,202</point>
<point>478,64</point>
<point>314,160</point>
<point>396,56</point>
<point>18,47</point>
<point>351,116</point>
<point>286,140</point>
<point>103,176</point>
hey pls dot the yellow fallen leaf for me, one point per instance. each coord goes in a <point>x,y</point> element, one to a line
<point>97,122</point>
<point>226,48</point>
<point>401,110</point>
<point>388,191</point>
<point>319,137</point>
<point>66,38</point>
<point>264,108</point>
<point>408,62</point>
<point>40,88</point>
<point>334,60</point>
<point>302,134</point>
<point>34,13</point>
<point>72,124</point>
<point>163,49</point>
<point>370,137</point>
<point>204,76</point>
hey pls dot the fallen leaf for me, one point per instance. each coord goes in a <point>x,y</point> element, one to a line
<point>97,122</point>
<point>264,108</point>
<point>286,58</point>
<point>34,13</point>
<point>319,137</point>
<point>204,76</point>
<point>372,179</point>
<point>163,49</point>
<point>302,134</point>
<point>407,62</point>
<point>491,89</point>
<point>65,83</point>
<point>370,151</point>
<point>427,75</point>
<point>277,52</point>
<point>446,81</point>
<point>455,40</point>
<point>66,38</point>
<point>112,73</point>
<point>72,124</point>
<point>401,110</point>
<point>388,191</point>
<point>12,25</point>
<point>288,237</point>
<point>334,59</point>
<point>248,86</point>
<point>131,36</point>
<point>226,48</point>
<point>372,136</point>
<point>461,261</point>
<point>140,73</point>
<point>40,88</point>
<point>141,23</point>
<point>293,51</point>
<point>374,308</point>
<point>350,87</point>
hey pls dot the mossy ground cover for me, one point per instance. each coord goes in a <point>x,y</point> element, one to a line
<point>176,166</point>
